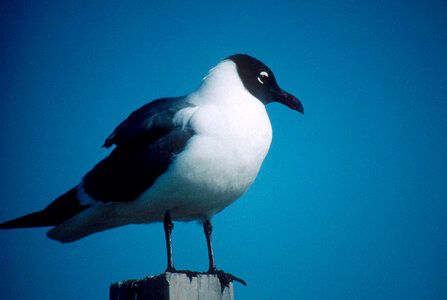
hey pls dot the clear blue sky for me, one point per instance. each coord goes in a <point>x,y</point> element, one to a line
<point>351,202</point>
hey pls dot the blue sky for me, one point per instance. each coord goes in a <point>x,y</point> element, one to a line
<point>351,200</point>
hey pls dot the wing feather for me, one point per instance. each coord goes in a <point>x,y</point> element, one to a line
<point>148,123</point>
<point>147,142</point>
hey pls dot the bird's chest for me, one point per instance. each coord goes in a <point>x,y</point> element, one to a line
<point>229,147</point>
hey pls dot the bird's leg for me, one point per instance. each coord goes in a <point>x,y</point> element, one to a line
<point>168,225</point>
<point>207,228</point>
<point>224,278</point>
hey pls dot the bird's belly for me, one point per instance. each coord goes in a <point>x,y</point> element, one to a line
<point>205,178</point>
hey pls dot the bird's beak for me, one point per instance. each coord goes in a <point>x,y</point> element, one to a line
<point>288,99</point>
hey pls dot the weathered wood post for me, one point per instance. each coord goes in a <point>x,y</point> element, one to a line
<point>174,286</point>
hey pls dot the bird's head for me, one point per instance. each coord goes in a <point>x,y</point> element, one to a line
<point>259,80</point>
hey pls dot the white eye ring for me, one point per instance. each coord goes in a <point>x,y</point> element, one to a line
<point>263,74</point>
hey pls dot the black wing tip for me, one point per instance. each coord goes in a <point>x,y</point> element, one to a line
<point>6,225</point>
<point>59,211</point>
<point>37,219</point>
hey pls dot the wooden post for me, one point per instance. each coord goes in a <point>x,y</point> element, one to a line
<point>174,286</point>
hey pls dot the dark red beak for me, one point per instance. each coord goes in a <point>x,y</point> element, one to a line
<point>288,99</point>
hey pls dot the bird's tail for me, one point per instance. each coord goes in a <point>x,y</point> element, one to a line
<point>59,211</point>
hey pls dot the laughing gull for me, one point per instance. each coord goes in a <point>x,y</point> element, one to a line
<point>176,159</point>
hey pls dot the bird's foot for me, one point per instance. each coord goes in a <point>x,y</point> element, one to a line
<point>225,278</point>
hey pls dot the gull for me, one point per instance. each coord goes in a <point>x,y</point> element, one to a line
<point>175,159</point>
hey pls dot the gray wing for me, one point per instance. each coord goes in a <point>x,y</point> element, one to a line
<point>148,123</point>
<point>147,142</point>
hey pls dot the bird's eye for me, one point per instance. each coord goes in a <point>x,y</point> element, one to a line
<point>263,76</point>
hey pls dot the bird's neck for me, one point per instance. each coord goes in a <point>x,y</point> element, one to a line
<point>222,85</point>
